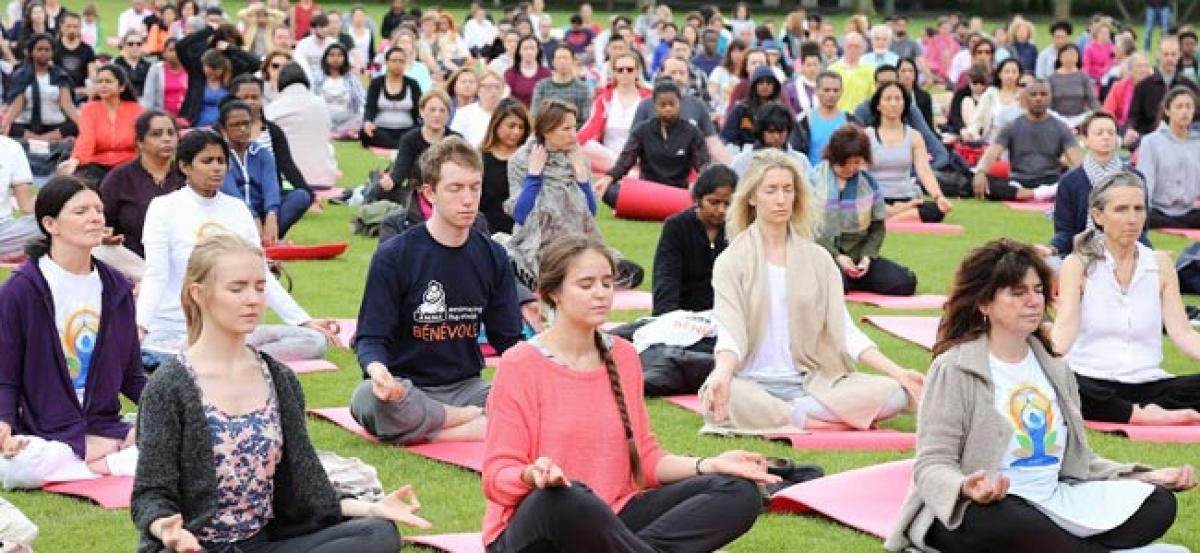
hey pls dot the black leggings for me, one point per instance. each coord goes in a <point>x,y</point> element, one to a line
<point>928,210</point>
<point>384,138</point>
<point>17,130</point>
<point>1108,401</point>
<point>884,276</point>
<point>1000,189</point>
<point>1012,524</point>
<point>360,535</point>
<point>1158,219</point>
<point>698,514</point>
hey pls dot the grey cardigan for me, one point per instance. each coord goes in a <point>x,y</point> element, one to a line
<point>959,432</point>
<point>176,472</point>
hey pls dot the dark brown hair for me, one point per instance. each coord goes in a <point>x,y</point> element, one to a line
<point>553,263</point>
<point>550,114</point>
<point>982,274</point>
<point>847,142</point>
<point>508,107</point>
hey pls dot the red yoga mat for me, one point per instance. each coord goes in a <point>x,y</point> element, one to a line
<point>625,300</point>
<point>909,227</point>
<point>919,301</point>
<point>1190,234</point>
<point>650,201</point>
<point>296,252</point>
<point>1180,434</point>
<point>110,492</point>
<point>450,543</point>
<point>828,440</point>
<point>921,331</point>
<point>467,455</point>
<point>311,366</point>
<point>1039,207</point>
<point>868,499</point>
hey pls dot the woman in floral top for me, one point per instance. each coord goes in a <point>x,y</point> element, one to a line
<point>232,467</point>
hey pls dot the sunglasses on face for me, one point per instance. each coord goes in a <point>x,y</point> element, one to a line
<point>624,69</point>
<point>133,44</point>
<point>983,51</point>
<point>276,66</point>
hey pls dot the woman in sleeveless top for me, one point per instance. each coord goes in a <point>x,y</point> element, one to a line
<point>1115,297</point>
<point>896,153</point>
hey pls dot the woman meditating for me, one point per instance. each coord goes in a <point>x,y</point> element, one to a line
<point>1168,159</point>
<point>230,466</point>
<point>507,130</point>
<point>70,349</point>
<point>690,243</point>
<point>854,213</point>
<point>550,487</point>
<point>785,339</point>
<point>106,137</point>
<point>1003,461</point>
<point>175,223</point>
<point>1115,297</point>
<point>897,152</point>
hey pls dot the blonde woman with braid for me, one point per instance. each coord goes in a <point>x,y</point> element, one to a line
<point>571,463</point>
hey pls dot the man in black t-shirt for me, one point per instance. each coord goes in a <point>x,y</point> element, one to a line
<point>74,55</point>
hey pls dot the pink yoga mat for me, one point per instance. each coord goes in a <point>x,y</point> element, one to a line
<point>921,331</point>
<point>831,440</point>
<point>1039,207</point>
<point>329,193</point>
<point>110,492</point>
<point>346,330</point>
<point>625,300</point>
<point>468,455</point>
<point>1190,234</point>
<point>867,499</point>
<point>383,152</point>
<point>1181,434</point>
<point>450,543</point>
<point>923,228</point>
<point>311,366</point>
<point>919,301</point>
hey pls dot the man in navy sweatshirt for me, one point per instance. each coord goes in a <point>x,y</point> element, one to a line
<point>428,292</point>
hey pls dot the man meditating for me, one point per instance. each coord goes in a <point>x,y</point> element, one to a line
<point>428,291</point>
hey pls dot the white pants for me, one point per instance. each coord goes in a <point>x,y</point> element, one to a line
<point>44,461</point>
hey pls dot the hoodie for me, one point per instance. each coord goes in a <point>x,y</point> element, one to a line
<point>739,125</point>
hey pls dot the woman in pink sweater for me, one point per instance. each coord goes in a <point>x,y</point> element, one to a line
<point>1100,55</point>
<point>570,462</point>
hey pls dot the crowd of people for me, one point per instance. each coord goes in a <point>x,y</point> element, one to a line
<point>166,168</point>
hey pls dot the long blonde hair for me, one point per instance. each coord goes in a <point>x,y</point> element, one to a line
<point>742,214</point>
<point>201,270</point>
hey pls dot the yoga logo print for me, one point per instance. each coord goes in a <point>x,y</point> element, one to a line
<point>433,305</point>
<point>1032,416</point>
<point>79,342</point>
<point>209,228</point>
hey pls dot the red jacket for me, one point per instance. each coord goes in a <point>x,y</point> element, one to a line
<point>594,128</point>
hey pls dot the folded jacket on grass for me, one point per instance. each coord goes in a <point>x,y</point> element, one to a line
<point>921,331</point>
<point>923,228</point>
<point>880,439</point>
<point>110,492</point>
<point>919,301</point>
<point>450,543</point>
<point>868,499</point>
<point>1179,434</point>
<point>468,455</point>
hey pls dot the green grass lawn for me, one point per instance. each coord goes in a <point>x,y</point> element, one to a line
<point>452,497</point>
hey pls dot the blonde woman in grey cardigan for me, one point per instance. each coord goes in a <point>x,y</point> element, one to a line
<point>1003,462</point>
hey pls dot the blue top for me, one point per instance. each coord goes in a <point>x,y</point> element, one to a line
<point>532,186</point>
<point>820,130</point>
<point>1071,210</point>
<point>254,180</point>
<point>424,302</point>
<point>210,108</point>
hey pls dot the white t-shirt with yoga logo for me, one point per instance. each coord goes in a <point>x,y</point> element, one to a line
<point>1033,459</point>
<point>76,315</point>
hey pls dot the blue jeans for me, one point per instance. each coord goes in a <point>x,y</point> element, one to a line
<point>293,206</point>
<point>1162,16</point>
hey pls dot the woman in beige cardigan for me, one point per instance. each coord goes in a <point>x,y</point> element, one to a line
<point>785,340</point>
<point>1003,462</point>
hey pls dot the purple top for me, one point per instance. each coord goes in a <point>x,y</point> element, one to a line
<point>36,395</point>
<point>520,86</point>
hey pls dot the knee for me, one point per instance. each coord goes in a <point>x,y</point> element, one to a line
<point>314,343</point>
<point>740,498</point>
<point>379,535</point>
<point>568,506</point>
<point>1159,511</point>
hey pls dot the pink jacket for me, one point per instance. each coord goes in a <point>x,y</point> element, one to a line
<point>594,128</point>
<point>1097,60</point>
<point>939,50</point>
<point>1117,101</point>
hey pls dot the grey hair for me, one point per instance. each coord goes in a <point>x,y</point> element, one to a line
<point>1089,244</point>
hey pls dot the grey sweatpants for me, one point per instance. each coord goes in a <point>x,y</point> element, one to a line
<point>420,414</point>
<point>16,233</point>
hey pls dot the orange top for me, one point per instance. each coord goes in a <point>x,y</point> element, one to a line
<point>538,407</point>
<point>106,142</point>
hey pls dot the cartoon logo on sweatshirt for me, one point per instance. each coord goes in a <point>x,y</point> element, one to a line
<point>433,304</point>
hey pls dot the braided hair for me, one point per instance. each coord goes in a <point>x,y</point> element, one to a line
<point>554,261</point>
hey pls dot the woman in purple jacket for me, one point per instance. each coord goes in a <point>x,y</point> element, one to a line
<point>69,348</point>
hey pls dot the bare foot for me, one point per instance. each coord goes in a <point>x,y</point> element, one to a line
<point>470,431</point>
<point>457,416</point>
<point>817,424</point>
<point>1152,414</point>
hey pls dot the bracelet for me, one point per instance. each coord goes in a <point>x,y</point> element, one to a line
<point>698,461</point>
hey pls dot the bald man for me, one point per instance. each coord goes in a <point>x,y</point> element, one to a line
<point>858,77</point>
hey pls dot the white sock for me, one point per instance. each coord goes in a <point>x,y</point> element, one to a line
<point>1045,192</point>
<point>124,462</point>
